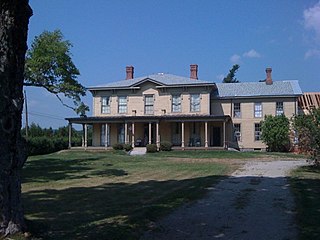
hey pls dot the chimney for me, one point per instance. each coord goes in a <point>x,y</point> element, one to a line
<point>269,78</point>
<point>129,71</point>
<point>194,71</point>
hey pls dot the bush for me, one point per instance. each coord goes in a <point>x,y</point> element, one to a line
<point>275,133</point>
<point>39,145</point>
<point>127,147</point>
<point>151,148</point>
<point>117,146</point>
<point>165,146</point>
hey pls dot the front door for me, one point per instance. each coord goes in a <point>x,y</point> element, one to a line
<point>215,137</point>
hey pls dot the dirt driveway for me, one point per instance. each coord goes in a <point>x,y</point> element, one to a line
<point>254,203</point>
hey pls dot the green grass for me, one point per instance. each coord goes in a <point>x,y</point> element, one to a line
<point>82,195</point>
<point>305,184</point>
<point>226,154</point>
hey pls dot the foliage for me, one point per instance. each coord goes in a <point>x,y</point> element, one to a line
<point>49,65</point>
<point>275,133</point>
<point>48,140</point>
<point>117,146</point>
<point>151,148</point>
<point>230,78</point>
<point>165,146</point>
<point>307,128</point>
<point>127,147</point>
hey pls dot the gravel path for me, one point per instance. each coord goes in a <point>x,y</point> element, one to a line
<point>254,203</point>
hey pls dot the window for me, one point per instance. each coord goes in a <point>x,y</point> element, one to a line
<point>258,110</point>
<point>236,110</point>
<point>121,136</point>
<point>279,108</point>
<point>176,103</point>
<point>122,104</point>
<point>237,132</point>
<point>194,102</point>
<point>105,105</point>
<point>257,131</point>
<point>148,104</point>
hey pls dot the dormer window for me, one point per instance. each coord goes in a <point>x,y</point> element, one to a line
<point>105,104</point>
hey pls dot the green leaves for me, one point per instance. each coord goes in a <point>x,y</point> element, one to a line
<point>230,78</point>
<point>308,132</point>
<point>275,133</point>
<point>49,65</point>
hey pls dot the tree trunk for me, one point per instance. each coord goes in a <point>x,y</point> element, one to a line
<point>14,19</point>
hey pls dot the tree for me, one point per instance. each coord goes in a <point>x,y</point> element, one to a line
<point>49,65</point>
<point>14,19</point>
<point>275,133</point>
<point>230,78</point>
<point>307,128</point>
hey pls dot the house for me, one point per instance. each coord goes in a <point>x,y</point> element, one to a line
<point>186,111</point>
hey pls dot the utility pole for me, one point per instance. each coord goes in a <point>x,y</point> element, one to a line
<point>26,107</point>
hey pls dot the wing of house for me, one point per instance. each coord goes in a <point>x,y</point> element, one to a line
<point>186,111</point>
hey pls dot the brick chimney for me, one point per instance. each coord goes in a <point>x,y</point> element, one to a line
<point>130,72</point>
<point>194,71</point>
<point>269,78</point>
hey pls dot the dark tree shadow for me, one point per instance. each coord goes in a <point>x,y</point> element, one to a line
<point>109,211</point>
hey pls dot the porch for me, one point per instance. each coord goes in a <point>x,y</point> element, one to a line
<point>184,132</point>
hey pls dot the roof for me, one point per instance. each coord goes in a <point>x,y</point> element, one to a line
<point>258,89</point>
<point>309,100</point>
<point>175,118</point>
<point>162,79</point>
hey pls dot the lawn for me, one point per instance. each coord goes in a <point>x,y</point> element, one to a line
<point>110,195</point>
<point>305,184</point>
<point>83,195</point>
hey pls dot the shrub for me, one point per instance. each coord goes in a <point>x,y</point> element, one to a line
<point>117,146</point>
<point>127,147</point>
<point>275,133</point>
<point>165,146</point>
<point>152,148</point>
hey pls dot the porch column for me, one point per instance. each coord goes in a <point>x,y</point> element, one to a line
<point>132,142</point>
<point>224,134</point>
<point>106,135</point>
<point>206,134</point>
<point>157,135</point>
<point>82,137</point>
<point>150,132</point>
<point>182,134</point>
<point>70,134</point>
<point>126,133</point>
<point>85,135</point>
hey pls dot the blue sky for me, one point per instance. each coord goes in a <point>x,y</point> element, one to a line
<point>169,35</point>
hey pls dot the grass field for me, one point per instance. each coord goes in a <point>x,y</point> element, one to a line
<point>305,183</point>
<point>110,195</point>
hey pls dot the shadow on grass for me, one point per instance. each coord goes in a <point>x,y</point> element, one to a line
<point>54,169</point>
<point>109,211</point>
<point>306,189</point>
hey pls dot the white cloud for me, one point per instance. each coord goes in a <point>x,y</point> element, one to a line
<point>312,53</point>
<point>312,19</point>
<point>220,77</point>
<point>235,58</point>
<point>252,54</point>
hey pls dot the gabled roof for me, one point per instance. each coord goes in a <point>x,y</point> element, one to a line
<point>258,89</point>
<point>161,79</point>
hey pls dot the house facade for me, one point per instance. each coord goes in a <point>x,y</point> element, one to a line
<point>186,111</point>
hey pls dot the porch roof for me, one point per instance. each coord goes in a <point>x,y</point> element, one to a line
<point>168,118</point>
